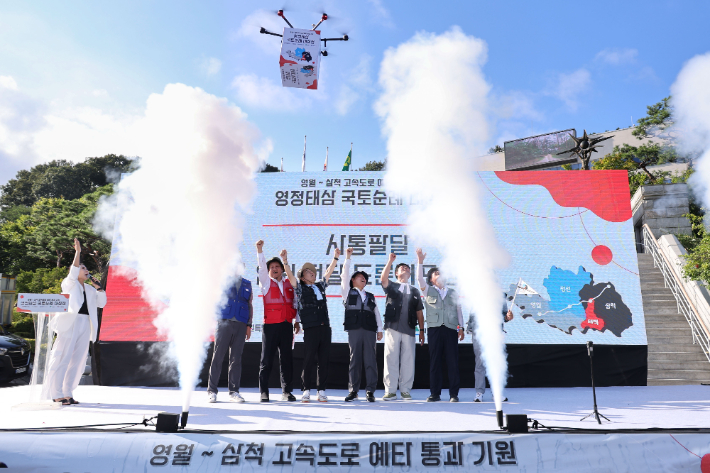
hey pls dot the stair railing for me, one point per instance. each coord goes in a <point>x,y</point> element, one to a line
<point>701,334</point>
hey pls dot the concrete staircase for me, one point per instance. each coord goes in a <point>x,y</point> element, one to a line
<point>672,356</point>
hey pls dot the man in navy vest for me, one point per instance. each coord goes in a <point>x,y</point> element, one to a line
<point>363,323</point>
<point>233,330</point>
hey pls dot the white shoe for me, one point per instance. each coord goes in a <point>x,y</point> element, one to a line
<point>479,397</point>
<point>236,397</point>
<point>322,397</point>
<point>306,397</point>
<point>211,397</point>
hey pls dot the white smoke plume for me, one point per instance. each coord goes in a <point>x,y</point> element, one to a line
<point>182,213</point>
<point>691,101</point>
<point>434,112</point>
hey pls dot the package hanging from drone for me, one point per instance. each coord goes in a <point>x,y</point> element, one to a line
<point>300,58</point>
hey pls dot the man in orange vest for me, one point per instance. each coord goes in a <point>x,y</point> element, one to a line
<point>278,329</point>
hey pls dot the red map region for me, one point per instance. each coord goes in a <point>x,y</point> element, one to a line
<point>606,193</point>
<point>283,61</point>
<point>127,315</point>
<point>592,321</point>
<point>314,85</point>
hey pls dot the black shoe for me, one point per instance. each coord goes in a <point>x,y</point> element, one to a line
<point>352,395</point>
<point>73,401</point>
<point>454,399</point>
<point>433,398</point>
<point>370,396</point>
<point>264,397</point>
<point>505,399</point>
<point>288,397</point>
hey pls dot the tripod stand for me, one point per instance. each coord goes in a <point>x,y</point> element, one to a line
<point>595,413</point>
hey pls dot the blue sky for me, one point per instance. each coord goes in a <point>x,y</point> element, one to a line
<point>73,74</point>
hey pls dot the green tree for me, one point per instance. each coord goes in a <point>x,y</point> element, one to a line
<point>374,166</point>
<point>496,149</point>
<point>697,261</point>
<point>269,168</point>
<point>42,281</point>
<point>62,179</point>
<point>658,115</point>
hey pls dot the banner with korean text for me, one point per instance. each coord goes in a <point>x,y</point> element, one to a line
<point>569,234</point>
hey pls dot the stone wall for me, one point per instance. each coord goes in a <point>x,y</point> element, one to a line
<point>662,208</point>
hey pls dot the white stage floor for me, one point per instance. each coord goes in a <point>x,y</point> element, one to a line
<point>638,407</point>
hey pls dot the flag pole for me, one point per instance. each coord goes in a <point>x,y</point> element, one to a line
<point>303,163</point>
<point>325,166</point>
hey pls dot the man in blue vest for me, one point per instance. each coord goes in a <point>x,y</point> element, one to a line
<point>233,330</point>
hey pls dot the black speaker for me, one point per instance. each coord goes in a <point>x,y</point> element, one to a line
<point>167,422</point>
<point>516,423</point>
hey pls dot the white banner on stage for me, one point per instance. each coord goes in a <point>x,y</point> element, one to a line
<point>300,58</point>
<point>406,452</point>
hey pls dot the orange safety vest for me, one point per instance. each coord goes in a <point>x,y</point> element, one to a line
<point>279,307</point>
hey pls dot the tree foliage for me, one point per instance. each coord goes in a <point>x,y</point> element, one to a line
<point>373,166</point>
<point>62,179</point>
<point>697,261</point>
<point>269,168</point>
<point>658,116</point>
<point>42,281</point>
<point>44,237</point>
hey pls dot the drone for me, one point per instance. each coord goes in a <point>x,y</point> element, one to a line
<point>322,19</point>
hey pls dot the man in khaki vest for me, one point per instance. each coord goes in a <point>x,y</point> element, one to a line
<point>444,321</point>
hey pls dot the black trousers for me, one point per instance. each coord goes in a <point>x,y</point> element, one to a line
<point>276,337</point>
<point>316,344</point>
<point>443,345</point>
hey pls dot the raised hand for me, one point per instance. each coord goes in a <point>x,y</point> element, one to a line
<point>284,256</point>
<point>349,252</point>
<point>420,255</point>
<point>336,253</point>
<point>259,246</point>
<point>392,258</point>
<point>77,245</point>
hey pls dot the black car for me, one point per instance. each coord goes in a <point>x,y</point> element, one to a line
<point>14,356</point>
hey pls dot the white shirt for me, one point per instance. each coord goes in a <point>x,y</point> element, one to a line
<point>345,276</point>
<point>441,290</point>
<point>265,280</point>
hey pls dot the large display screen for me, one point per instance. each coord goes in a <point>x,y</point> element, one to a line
<point>539,151</point>
<point>569,234</point>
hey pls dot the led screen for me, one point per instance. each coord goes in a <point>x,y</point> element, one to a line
<point>569,235</point>
<point>539,151</point>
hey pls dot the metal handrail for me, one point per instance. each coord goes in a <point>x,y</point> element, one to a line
<point>701,334</point>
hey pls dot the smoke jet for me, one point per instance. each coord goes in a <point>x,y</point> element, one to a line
<point>691,102</point>
<point>434,115</point>
<point>180,215</point>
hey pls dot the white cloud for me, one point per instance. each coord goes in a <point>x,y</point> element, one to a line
<point>210,66</point>
<point>99,93</point>
<point>251,25</point>
<point>33,131</point>
<point>8,82</point>
<point>264,93</point>
<point>381,14</point>
<point>568,87</point>
<point>358,84</point>
<point>617,56</point>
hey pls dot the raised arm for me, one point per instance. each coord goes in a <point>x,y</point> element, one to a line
<point>77,253</point>
<point>262,271</point>
<point>420,269</point>
<point>385,276</point>
<point>333,264</point>
<point>287,267</point>
<point>345,276</point>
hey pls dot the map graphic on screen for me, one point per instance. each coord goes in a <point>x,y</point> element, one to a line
<point>573,274</point>
<point>539,151</point>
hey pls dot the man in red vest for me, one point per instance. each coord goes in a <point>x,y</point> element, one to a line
<point>278,329</point>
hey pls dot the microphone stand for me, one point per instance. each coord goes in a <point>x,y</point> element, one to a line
<point>595,412</point>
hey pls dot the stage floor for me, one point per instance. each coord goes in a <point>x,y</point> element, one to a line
<point>637,407</point>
